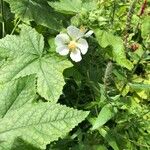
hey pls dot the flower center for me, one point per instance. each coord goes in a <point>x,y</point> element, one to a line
<point>72,45</point>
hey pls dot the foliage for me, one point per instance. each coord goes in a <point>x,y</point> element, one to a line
<point>36,123</point>
<point>49,101</point>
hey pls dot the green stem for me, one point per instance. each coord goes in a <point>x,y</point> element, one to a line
<point>16,25</point>
<point>113,12</point>
<point>96,111</point>
<point>3,19</point>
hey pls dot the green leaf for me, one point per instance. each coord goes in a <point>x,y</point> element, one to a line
<point>7,15</point>
<point>107,39</point>
<point>51,42</point>
<point>35,10</point>
<point>50,78</point>
<point>17,144</point>
<point>109,138</point>
<point>89,5</point>
<point>73,72</point>
<point>40,123</point>
<point>28,125</point>
<point>17,93</point>
<point>105,114</point>
<point>140,86</point>
<point>67,6</point>
<point>73,6</point>
<point>25,54</point>
<point>146,27</point>
<point>29,42</point>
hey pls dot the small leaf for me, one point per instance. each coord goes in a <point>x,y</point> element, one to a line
<point>109,138</point>
<point>51,42</point>
<point>105,114</point>
<point>105,39</point>
<point>73,72</point>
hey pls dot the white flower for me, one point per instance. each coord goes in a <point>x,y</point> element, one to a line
<point>73,43</point>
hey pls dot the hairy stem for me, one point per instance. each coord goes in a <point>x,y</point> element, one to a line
<point>16,25</point>
<point>128,21</point>
<point>107,74</point>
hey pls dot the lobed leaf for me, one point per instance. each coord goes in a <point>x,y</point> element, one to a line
<point>27,58</point>
<point>39,124</point>
<point>26,123</point>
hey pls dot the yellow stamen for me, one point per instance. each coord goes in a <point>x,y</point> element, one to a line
<point>72,45</point>
<point>82,29</point>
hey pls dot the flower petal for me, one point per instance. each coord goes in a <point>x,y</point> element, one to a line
<point>61,39</point>
<point>62,50</point>
<point>74,32</point>
<point>82,45</point>
<point>76,55</point>
<point>89,33</point>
